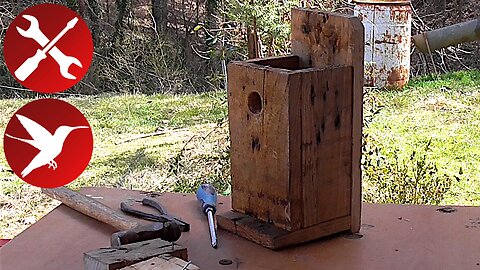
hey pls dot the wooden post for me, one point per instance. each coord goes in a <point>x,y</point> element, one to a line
<point>295,127</point>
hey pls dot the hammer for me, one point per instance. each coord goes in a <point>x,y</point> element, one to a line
<point>129,231</point>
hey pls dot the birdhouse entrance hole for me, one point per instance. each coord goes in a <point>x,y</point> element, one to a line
<point>255,102</point>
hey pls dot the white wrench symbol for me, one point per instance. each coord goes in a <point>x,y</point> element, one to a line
<point>36,34</point>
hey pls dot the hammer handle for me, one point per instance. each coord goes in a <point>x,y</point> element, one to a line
<point>90,207</point>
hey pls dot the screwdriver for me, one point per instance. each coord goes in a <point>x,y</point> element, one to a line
<point>207,196</point>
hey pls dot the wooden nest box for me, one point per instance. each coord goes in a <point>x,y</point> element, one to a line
<point>295,127</point>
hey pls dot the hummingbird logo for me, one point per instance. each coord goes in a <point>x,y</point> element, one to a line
<point>50,146</point>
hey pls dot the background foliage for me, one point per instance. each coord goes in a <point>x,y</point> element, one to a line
<point>167,46</point>
<point>180,46</point>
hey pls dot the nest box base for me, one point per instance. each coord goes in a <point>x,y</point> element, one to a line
<point>270,236</point>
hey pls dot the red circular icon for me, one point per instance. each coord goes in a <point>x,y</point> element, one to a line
<point>48,48</point>
<point>48,143</point>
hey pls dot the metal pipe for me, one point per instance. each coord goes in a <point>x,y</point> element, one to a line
<point>448,36</point>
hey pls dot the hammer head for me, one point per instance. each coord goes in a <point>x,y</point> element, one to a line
<point>168,231</point>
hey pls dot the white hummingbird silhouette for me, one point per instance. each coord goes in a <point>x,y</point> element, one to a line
<point>50,146</point>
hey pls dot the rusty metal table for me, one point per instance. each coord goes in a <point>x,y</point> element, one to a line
<point>394,237</point>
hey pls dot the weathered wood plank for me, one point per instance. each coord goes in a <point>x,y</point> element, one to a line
<point>163,262</point>
<point>358,40</point>
<point>322,40</point>
<point>309,198</point>
<point>259,136</point>
<point>332,146</point>
<point>125,255</point>
<point>313,232</point>
<point>326,144</point>
<point>274,187</point>
<point>295,190</point>
<point>242,80</point>
<point>270,236</point>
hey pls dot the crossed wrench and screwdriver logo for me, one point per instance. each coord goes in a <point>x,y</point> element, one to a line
<point>44,118</point>
<point>48,46</point>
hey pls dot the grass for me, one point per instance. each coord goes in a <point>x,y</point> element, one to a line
<point>444,111</point>
<point>196,139</point>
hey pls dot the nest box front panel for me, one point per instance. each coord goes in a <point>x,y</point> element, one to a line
<point>258,116</point>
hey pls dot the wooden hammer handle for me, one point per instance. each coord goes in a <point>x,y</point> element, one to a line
<point>90,207</point>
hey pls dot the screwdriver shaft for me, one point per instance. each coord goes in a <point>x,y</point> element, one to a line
<point>211,226</point>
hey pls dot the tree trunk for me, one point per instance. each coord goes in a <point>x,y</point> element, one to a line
<point>211,7</point>
<point>122,7</point>
<point>160,13</point>
<point>94,12</point>
<point>252,41</point>
<point>82,8</point>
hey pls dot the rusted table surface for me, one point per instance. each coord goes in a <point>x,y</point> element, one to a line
<point>394,237</point>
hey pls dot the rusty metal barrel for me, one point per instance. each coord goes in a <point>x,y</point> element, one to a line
<point>448,36</point>
<point>387,41</point>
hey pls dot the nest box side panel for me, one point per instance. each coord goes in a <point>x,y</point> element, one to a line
<point>327,144</point>
<point>258,116</point>
<point>295,147</point>
<point>324,40</point>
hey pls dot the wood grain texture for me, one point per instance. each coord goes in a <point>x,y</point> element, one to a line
<point>163,262</point>
<point>322,40</point>
<point>326,144</point>
<point>118,257</point>
<point>259,142</point>
<point>313,232</point>
<point>295,189</point>
<point>270,236</point>
<point>242,80</point>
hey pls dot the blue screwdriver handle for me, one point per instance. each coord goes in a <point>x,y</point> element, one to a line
<point>207,196</point>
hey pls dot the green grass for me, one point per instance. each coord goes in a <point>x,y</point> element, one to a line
<point>115,118</point>
<point>175,161</point>
<point>444,110</point>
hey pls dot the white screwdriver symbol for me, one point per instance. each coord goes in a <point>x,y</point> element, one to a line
<point>31,64</point>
